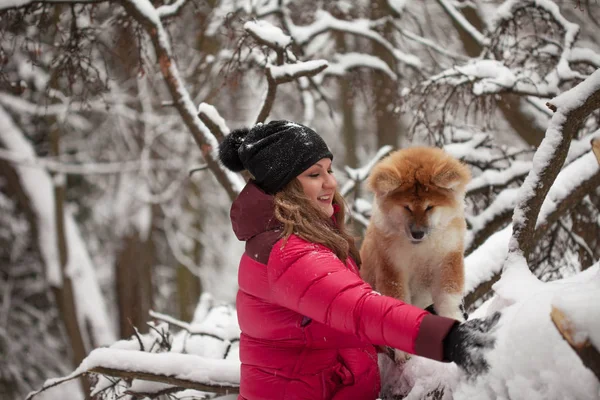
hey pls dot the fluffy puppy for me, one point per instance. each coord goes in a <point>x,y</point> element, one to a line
<point>413,247</point>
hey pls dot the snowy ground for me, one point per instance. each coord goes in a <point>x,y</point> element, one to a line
<point>530,360</point>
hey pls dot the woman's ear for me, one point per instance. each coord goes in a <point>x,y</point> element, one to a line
<point>384,179</point>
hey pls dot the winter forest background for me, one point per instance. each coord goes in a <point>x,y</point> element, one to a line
<point>116,252</point>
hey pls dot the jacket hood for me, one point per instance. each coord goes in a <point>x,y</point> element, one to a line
<point>252,213</point>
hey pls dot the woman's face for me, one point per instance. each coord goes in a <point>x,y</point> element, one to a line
<point>319,185</point>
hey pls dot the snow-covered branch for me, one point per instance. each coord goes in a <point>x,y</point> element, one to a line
<point>571,108</point>
<point>144,12</point>
<point>362,27</point>
<point>171,10</point>
<point>268,35</point>
<point>573,323</point>
<point>184,370</point>
<point>212,119</point>
<point>461,20</point>
<point>291,72</point>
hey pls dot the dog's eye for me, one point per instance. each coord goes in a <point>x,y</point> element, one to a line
<point>428,208</point>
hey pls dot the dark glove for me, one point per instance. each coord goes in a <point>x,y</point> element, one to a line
<point>467,343</point>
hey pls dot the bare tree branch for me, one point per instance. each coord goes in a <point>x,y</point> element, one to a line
<point>145,13</point>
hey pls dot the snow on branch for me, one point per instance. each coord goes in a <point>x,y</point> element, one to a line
<point>358,175</point>
<point>184,370</point>
<point>324,22</point>
<point>576,315</point>
<point>267,34</point>
<point>171,10</point>
<point>484,262</point>
<point>466,25</point>
<point>571,108</point>
<point>290,72</point>
<point>282,72</point>
<point>201,356</point>
<point>345,62</point>
<point>509,8</point>
<point>545,195</point>
<point>582,175</point>
<point>490,77</point>
<point>213,120</point>
<point>147,16</point>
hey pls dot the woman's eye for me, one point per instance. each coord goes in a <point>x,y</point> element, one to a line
<point>330,171</point>
<point>314,175</point>
<point>428,208</point>
<point>408,209</point>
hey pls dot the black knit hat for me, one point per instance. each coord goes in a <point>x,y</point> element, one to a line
<point>274,153</point>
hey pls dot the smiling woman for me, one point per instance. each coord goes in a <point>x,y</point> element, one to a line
<point>309,322</point>
<point>319,184</point>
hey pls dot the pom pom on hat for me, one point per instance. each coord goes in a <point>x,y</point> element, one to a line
<point>229,149</point>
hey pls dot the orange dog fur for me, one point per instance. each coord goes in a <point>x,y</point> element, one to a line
<point>413,247</point>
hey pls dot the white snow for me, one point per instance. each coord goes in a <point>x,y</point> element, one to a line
<point>491,177</point>
<point>567,180</point>
<point>37,183</point>
<point>268,33</point>
<point>398,5</point>
<point>493,76</point>
<point>580,304</point>
<point>344,62</point>
<point>212,113</point>
<point>486,261</point>
<point>291,71</point>
<point>459,18</point>
<point>530,359</point>
<point>324,22</point>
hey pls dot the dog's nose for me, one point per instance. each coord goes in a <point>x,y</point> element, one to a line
<point>417,235</point>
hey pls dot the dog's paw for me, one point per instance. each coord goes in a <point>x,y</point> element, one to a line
<point>401,357</point>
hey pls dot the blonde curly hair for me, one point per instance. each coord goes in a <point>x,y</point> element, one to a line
<point>300,217</point>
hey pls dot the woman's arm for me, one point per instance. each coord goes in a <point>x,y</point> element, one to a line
<point>312,281</point>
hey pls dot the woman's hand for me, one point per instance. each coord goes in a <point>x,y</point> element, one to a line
<point>467,343</point>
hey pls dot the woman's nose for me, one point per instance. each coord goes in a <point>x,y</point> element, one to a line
<point>330,181</point>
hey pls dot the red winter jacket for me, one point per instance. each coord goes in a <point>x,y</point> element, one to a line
<point>309,322</point>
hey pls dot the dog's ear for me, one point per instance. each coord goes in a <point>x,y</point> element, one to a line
<point>451,174</point>
<point>384,179</point>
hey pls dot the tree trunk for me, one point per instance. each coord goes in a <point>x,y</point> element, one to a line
<point>347,105</point>
<point>64,295</point>
<point>383,89</point>
<point>189,286</point>
<point>133,279</point>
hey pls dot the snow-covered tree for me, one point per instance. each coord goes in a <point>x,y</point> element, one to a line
<point>111,112</point>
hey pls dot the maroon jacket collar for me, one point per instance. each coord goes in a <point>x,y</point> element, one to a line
<point>252,212</point>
